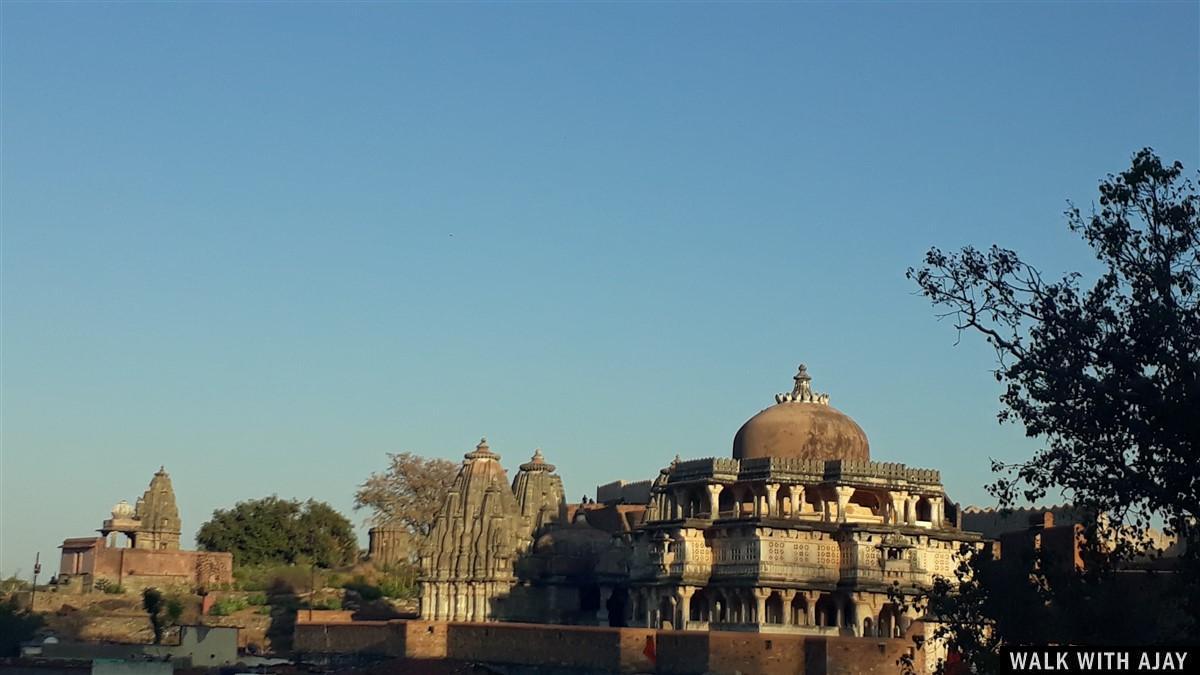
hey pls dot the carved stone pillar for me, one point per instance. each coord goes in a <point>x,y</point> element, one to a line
<point>910,509</point>
<point>797,494</point>
<point>898,501</point>
<point>772,501</point>
<point>677,499</point>
<point>683,606</point>
<point>602,612</point>
<point>810,607</point>
<point>477,602</point>
<point>787,595</point>
<point>844,493</point>
<point>760,605</point>
<point>937,506</point>
<point>651,608</point>
<point>714,500</point>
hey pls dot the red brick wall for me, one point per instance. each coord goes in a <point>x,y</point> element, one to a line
<point>360,637</point>
<point>132,566</point>
<point>424,639</point>
<point>851,656</point>
<point>682,652</point>
<point>609,649</point>
<point>756,653</point>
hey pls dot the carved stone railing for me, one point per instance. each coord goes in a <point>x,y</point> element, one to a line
<point>849,471</point>
<point>714,468</point>
<point>783,469</point>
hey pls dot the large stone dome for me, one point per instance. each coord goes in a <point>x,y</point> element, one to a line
<point>803,425</point>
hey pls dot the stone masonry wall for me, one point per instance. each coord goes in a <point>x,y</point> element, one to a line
<point>612,650</point>
<point>138,568</point>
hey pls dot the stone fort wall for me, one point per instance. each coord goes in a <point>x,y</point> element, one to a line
<point>138,568</point>
<point>610,650</point>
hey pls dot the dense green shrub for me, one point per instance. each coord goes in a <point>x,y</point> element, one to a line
<point>399,588</point>
<point>174,610</point>
<point>332,602</point>
<point>108,586</point>
<point>228,605</point>
<point>273,579</point>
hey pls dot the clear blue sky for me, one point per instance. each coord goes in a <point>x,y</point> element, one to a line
<point>264,244</point>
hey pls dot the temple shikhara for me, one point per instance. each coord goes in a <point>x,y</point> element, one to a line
<point>138,547</point>
<point>797,531</point>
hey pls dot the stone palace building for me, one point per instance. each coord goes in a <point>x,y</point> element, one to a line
<point>798,531</point>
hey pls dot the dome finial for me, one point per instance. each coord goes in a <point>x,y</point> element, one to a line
<point>803,380</point>
<point>483,450</point>
<point>802,392</point>
<point>537,462</point>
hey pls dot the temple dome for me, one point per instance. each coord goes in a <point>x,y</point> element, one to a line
<point>802,425</point>
<point>122,510</point>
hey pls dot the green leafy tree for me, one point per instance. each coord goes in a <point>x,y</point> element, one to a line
<point>1107,376</point>
<point>153,603</point>
<point>279,531</point>
<point>16,626</point>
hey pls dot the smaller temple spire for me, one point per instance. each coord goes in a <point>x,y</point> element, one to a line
<point>802,391</point>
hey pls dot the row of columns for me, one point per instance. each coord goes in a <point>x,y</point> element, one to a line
<point>901,510</point>
<point>663,607</point>
<point>904,509</point>
<point>456,601</point>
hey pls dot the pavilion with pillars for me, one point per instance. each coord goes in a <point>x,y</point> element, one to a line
<point>798,532</point>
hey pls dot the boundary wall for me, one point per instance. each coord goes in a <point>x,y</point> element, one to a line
<point>606,650</point>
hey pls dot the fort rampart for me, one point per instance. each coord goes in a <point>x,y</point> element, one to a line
<point>607,650</point>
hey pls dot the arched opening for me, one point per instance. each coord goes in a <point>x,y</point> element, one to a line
<point>666,613</point>
<point>698,607</point>
<point>589,599</point>
<point>745,502</point>
<point>617,604</point>
<point>725,502</point>
<point>826,611</point>
<point>720,609</point>
<point>863,501</point>
<point>774,609</point>
<point>924,509</point>
<point>799,611</point>
<point>639,610</point>
<point>952,514</point>
<point>889,621</point>
<point>868,628</point>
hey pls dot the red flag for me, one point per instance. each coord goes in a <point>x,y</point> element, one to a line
<point>649,650</point>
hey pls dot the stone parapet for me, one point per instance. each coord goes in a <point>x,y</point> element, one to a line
<point>790,470</point>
